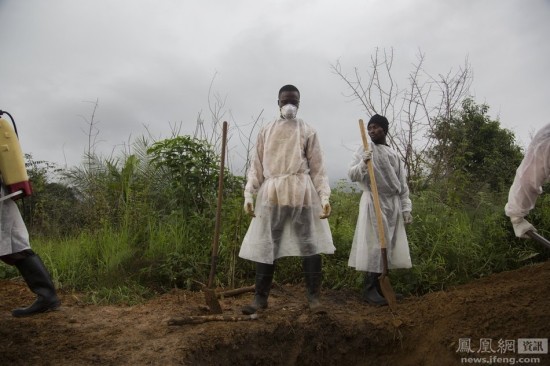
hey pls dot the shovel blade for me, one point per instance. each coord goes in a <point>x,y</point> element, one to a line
<point>387,291</point>
<point>212,302</point>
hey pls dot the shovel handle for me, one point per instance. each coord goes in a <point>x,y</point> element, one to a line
<point>541,239</point>
<point>375,198</point>
<point>216,239</point>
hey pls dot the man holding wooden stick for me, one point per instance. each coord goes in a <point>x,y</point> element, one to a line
<point>395,205</point>
<point>288,177</point>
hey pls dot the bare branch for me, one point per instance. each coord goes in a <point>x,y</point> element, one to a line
<point>412,111</point>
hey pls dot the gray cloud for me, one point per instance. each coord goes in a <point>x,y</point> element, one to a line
<point>150,63</point>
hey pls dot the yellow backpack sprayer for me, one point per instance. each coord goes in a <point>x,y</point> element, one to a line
<point>12,164</point>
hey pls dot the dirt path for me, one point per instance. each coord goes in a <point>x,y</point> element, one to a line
<point>427,330</point>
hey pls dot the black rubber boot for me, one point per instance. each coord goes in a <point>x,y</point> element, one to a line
<point>371,292</point>
<point>313,275</point>
<point>398,297</point>
<point>39,281</point>
<point>264,277</point>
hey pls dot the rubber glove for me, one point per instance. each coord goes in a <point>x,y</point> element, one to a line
<point>366,155</point>
<point>521,226</point>
<point>249,204</point>
<point>407,217</point>
<point>326,208</point>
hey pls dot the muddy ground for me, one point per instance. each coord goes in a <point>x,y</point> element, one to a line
<point>427,330</point>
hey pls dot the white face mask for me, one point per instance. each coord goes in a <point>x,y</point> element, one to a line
<point>288,111</point>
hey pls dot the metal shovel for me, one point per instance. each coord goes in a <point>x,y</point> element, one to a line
<point>209,293</point>
<point>541,239</point>
<point>385,285</point>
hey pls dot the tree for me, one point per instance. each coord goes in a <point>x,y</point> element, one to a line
<point>472,152</point>
<point>411,110</point>
<point>191,166</point>
<point>53,208</point>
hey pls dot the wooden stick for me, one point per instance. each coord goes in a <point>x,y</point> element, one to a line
<point>210,294</point>
<point>199,319</point>
<point>374,188</point>
<point>236,291</point>
<point>217,225</point>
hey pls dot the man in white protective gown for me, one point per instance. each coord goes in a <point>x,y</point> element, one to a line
<point>287,175</point>
<point>531,174</point>
<point>395,205</point>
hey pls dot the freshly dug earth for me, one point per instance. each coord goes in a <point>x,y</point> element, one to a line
<point>427,330</point>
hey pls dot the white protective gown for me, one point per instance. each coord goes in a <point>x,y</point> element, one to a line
<point>14,236</point>
<point>531,174</point>
<point>288,176</point>
<point>394,200</point>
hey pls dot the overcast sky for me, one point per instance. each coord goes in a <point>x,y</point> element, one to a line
<point>150,64</point>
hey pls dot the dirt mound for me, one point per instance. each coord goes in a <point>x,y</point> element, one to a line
<point>427,330</point>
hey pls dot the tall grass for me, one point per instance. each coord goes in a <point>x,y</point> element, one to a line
<point>87,260</point>
<point>133,240</point>
<point>449,246</point>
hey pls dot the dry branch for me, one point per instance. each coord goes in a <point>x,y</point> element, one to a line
<point>236,291</point>
<point>210,318</point>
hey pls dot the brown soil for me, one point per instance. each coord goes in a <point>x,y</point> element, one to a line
<point>425,330</point>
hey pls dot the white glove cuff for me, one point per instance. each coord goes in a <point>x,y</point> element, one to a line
<point>521,226</point>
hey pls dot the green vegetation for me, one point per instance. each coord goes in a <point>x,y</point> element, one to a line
<point>124,229</point>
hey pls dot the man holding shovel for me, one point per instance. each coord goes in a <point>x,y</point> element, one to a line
<point>531,174</point>
<point>288,177</point>
<point>395,210</point>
